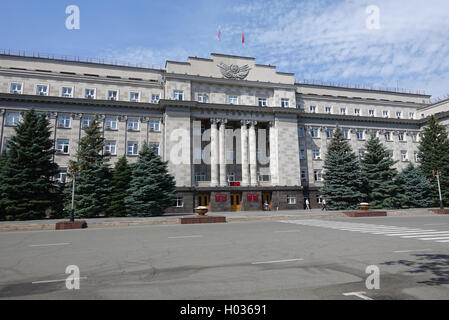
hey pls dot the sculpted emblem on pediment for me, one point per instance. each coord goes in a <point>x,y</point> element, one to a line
<point>233,71</point>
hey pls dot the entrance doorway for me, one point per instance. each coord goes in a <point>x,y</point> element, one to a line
<point>236,202</point>
<point>204,200</point>
<point>266,197</point>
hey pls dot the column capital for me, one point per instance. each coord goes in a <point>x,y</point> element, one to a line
<point>222,121</point>
<point>2,111</point>
<point>214,121</point>
<point>52,115</point>
<point>101,116</point>
<point>77,116</point>
<point>144,119</point>
<point>123,118</point>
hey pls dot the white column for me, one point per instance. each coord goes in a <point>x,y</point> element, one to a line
<point>273,155</point>
<point>223,178</point>
<point>214,156</point>
<point>244,146</point>
<point>253,153</point>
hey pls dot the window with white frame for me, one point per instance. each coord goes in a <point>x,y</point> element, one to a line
<point>404,156</point>
<point>372,112</point>
<point>401,136</point>
<point>134,96</point>
<point>155,98</point>
<point>262,102</point>
<point>233,100</point>
<point>178,95</point>
<point>303,175</point>
<point>154,145</point>
<point>385,113</point>
<point>411,115</point>
<point>302,154</point>
<point>113,95</point>
<point>67,92</point>
<point>42,90</point>
<point>299,106</point>
<point>133,148</point>
<point>316,154</point>
<point>328,110</point>
<point>319,199</point>
<point>110,147</point>
<point>357,112</point>
<point>318,175</point>
<point>264,177</point>
<point>291,199</point>
<point>16,88</point>
<point>133,124</point>
<point>360,135</point>
<point>178,202</point>
<point>398,114</point>
<point>329,133</point>
<point>416,154</point>
<point>387,136</point>
<point>200,177</point>
<point>12,119</point>
<point>346,133</point>
<point>89,93</point>
<point>285,103</point>
<point>300,132</point>
<point>62,146</point>
<point>86,121</point>
<point>61,177</point>
<point>111,123</point>
<point>64,122</point>
<point>155,125</point>
<point>313,109</point>
<point>342,111</point>
<point>315,133</point>
<point>414,137</point>
<point>202,97</point>
<point>230,177</point>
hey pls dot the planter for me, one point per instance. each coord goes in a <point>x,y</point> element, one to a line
<point>67,225</point>
<point>364,206</point>
<point>440,211</point>
<point>365,213</point>
<point>201,211</point>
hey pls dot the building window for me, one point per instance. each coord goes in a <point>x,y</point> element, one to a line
<point>16,88</point>
<point>313,109</point>
<point>360,135</point>
<point>262,102</point>
<point>361,153</point>
<point>178,202</point>
<point>202,97</point>
<point>233,100</point>
<point>133,124</point>
<point>133,149</point>
<point>62,146</point>
<point>64,122</point>
<point>89,93</point>
<point>134,96</point>
<point>315,133</point>
<point>328,110</point>
<point>357,112</point>
<point>12,119</point>
<point>371,113</point>
<point>42,90</point>
<point>404,156</point>
<point>401,136</point>
<point>317,175</point>
<point>155,125</point>
<point>414,137</point>
<point>154,145</point>
<point>346,134</point>
<point>387,136</point>
<point>200,177</point>
<point>86,122</point>
<point>155,98</point>
<point>399,114</point>
<point>61,177</point>
<point>113,95</point>
<point>111,124</point>
<point>67,92</point>
<point>303,175</point>
<point>385,113</point>
<point>316,154</point>
<point>110,148</point>
<point>319,199</point>
<point>329,133</point>
<point>411,115</point>
<point>416,154</point>
<point>302,154</point>
<point>391,154</point>
<point>298,106</point>
<point>285,103</point>
<point>230,176</point>
<point>342,111</point>
<point>178,95</point>
<point>291,199</point>
<point>300,132</point>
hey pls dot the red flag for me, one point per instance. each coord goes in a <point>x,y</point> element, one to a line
<point>219,34</point>
<point>243,36</point>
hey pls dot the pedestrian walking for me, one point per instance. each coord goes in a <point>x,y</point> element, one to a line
<point>307,204</point>
<point>266,206</point>
<point>324,205</point>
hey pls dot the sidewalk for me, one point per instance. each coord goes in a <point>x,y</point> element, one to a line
<point>243,216</point>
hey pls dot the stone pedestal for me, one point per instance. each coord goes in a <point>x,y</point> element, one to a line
<point>202,219</point>
<point>440,211</point>
<point>67,225</point>
<point>365,213</point>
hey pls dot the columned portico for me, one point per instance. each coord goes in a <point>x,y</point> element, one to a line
<point>244,146</point>
<point>223,180</point>
<point>214,153</point>
<point>253,153</point>
<point>273,155</point>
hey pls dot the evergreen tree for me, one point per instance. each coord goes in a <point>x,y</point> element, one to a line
<point>152,188</point>
<point>92,189</point>
<point>2,159</point>
<point>120,181</point>
<point>434,155</point>
<point>416,188</point>
<point>28,170</point>
<point>380,185</point>
<point>342,175</point>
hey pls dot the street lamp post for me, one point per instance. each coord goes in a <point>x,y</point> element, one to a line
<point>74,169</point>
<point>437,174</point>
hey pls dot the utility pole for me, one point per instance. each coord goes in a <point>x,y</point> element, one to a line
<point>437,174</point>
<point>74,169</point>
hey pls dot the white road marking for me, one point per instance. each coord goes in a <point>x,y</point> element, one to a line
<point>439,238</point>
<point>49,245</point>
<point>60,280</point>
<point>277,261</point>
<point>424,235</point>
<point>184,237</point>
<point>405,251</point>
<point>435,224</point>
<point>286,231</point>
<point>410,233</point>
<point>358,294</point>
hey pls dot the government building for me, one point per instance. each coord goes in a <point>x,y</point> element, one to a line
<point>236,134</point>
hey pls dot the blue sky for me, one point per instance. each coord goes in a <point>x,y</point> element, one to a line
<point>315,39</point>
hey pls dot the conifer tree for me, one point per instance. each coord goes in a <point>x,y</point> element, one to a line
<point>152,188</point>
<point>380,185</point>
<point>28,170</point>
<point>416,188</point>
<point>2,159</point>
<point>434,155</point>
<point>92,189</point>
<point>121,178</point>
<point>342,175</point>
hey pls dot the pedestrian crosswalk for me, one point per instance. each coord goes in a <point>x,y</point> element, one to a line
<point>390,231</point>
